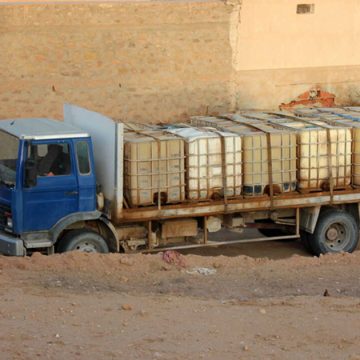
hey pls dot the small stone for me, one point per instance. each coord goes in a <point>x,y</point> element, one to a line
<point>57,335</point>
<point>262,311</point>
<point>245,348</point>
<point>126,307</point>
<point>126,261</point>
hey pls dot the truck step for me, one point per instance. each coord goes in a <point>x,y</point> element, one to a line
<point>37,244</point>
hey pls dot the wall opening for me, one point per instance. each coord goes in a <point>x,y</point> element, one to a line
<point>305,8</point>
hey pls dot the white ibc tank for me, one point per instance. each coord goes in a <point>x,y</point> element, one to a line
<point>351,120</point>
<point>254,135</point>
<point>153,168</point>
<point>323,150</point>
<point>213,162</point>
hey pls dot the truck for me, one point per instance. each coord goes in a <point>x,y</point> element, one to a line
<point>62,189</point>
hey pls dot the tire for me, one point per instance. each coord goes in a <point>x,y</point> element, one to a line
<point>83,240</point>
<point>336,231</point>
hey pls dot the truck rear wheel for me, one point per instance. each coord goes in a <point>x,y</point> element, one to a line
<point>336,231</point>
<point>83,240</point>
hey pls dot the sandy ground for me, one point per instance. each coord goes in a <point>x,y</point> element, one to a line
<point>259,301</point>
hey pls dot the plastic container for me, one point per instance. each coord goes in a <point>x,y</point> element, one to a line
<point>313,167</point>
<point>351,120</point>
<point>255,153</point>
<point>154,166</point>
<point>213,162</point>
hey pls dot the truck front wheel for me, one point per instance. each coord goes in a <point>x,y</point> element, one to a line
<point>83,240</point>
<point>336,231</point>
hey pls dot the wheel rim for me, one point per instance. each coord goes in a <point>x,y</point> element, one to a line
<point>87,247</point>
<point>337,237</point>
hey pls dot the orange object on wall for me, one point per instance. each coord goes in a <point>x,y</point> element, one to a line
<point>313,97</point>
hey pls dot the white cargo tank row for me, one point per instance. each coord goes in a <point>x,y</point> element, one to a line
<point>257,138</point>
<point>180,163</point>
<point>348,117</point>
<point>248,154</point>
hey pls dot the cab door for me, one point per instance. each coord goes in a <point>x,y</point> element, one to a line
<point>56,192</point>
<point>86,175</point>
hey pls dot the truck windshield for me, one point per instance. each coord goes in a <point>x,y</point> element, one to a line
<point>8,156</point>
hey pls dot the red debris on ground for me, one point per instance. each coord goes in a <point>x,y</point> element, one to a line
<point>174,258</point>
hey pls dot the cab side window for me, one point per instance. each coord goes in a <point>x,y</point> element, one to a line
<point>82,154</point>
<point>51,159</point>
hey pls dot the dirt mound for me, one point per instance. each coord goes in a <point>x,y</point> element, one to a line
<point>145,263</point>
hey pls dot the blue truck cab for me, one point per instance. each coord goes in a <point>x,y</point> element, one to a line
<point>47,186</point>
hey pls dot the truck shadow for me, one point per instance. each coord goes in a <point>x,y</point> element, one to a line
<point>267,249</point>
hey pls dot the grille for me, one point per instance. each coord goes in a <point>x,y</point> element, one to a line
<point>3,210</point>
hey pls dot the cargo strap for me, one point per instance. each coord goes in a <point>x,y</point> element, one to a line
<point>328,140</point>
<point>223,161</point>
<point>331,178</point>
<point>334,122</point>
<point>187,170</point>
<point>243,121</point>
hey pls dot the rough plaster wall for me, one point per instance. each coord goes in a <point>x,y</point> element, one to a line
<point>278,54</point>
<point>272,35</point>
<point>142,62</point>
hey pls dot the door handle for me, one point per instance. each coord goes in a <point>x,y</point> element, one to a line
<point>71,193</point>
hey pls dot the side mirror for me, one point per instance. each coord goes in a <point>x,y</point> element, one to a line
<point>30,173</point>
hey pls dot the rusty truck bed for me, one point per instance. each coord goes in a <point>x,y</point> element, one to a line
<point>207,208</point>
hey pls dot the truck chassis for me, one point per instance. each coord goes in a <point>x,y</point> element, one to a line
<point>306,208</point>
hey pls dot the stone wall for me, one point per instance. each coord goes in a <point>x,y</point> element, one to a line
<point>163,61</point>
<point>132,61</point>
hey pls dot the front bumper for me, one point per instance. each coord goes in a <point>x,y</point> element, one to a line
<point>10,245</point>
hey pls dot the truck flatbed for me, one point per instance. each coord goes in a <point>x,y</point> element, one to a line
<point>247,204</point>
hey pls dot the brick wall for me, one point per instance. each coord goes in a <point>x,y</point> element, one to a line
<point>132,61</point>
<point>162,61</point>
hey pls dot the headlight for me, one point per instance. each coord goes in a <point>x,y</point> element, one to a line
<point>9,221</point>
